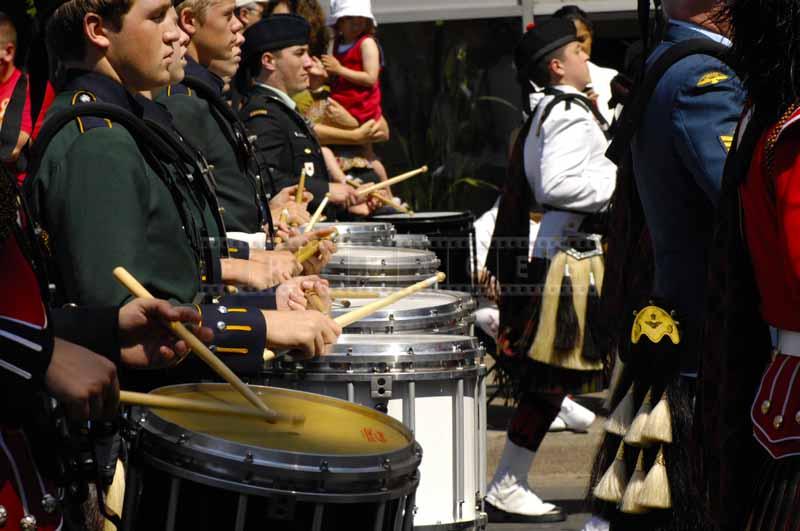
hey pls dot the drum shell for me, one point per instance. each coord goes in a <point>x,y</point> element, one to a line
<point>434,393</point>
<point>412,241</point>
<point>452,238</point>
<point>224,472</point>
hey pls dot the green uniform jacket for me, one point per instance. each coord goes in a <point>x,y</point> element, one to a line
<point>105,202</point>
<point>237,188</point>
<point>285,143</point>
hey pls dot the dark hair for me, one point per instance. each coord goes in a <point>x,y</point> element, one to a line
<point>8,32</point>
<point>65,38</point>
<point>573,13</point>
<point>766,45</point>
<point>539,73</point>
<point>273,4</point>
<point>320,34</point>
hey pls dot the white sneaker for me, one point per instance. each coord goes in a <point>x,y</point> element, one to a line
<point>510,499</point>
<point>558,425</point>
<point>596,523</point>
<point>575,416</point>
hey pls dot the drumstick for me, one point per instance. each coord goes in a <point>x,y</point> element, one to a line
<point>317,214</point>
<point>315,301</point>
<point>393,180</point>
<point>353,294</point>
<point>283,219</point>
<point>202,351</point>
<point>186,404</point>
<point>368,309</point>
<point>307,251</point>
<point>301,188</point>
<point>389,202</point>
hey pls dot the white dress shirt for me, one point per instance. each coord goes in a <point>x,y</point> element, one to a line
<point>601,83</point>
<point>567,168</point>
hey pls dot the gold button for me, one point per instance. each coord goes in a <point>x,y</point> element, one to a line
<point>778,421</point>
<point>308,151</point>
<point>765,405</point>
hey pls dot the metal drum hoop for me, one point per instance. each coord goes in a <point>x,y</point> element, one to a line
<point>254,470</point>
<point>454,315</point>
<point>362,233</point>
<point>417,356</point>
<point>371,260</point>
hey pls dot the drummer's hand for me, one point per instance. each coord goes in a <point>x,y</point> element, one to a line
<point>315,264</point>
<point>343,195</point>
<point>363,210</point>
<point>276,267</point>
<point>290,295</point>
<point>490,288</point>
<point>146,340</point>
<point>306,330</point>
<point>296,215</point>
<point>287,196</point>
<point>84,382</point>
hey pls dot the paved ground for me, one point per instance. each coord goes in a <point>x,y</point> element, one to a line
<point>560,472</point>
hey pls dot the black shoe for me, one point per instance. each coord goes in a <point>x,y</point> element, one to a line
<point>498,515</point>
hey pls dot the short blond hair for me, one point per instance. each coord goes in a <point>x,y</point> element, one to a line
<point>198,7</point>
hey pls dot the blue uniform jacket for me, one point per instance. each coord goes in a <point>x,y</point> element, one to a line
<point>678,158</point>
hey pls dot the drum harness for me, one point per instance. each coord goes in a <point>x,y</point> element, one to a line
<point>158,152</point>
<point>236,134</point>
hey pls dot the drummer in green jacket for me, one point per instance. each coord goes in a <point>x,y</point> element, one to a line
<point>110,197</point>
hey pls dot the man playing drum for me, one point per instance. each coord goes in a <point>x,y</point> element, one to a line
<point>109,200</point>
<point>559,163</point>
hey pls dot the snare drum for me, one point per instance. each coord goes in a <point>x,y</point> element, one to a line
<point>412,241</point>
<point>362,233</point>
<point>426,312</point>
<point>346,467</point>
<point>379,266</point>
<point>435,385</point>
<point>452,238</point>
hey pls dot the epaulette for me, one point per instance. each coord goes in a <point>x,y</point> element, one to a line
<point>86,123</point>
<point>258,112</point>
<point>180,88</point>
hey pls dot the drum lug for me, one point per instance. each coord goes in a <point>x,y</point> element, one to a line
<point>381,387</point>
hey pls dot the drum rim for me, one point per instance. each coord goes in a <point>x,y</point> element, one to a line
<point>412,260</point>
<point>420,216</point>
<point>455,310</point>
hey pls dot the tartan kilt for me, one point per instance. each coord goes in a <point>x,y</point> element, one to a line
<point>527,328</point>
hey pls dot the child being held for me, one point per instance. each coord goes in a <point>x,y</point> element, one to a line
<point>354,68</point>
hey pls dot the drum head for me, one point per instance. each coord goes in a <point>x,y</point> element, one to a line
<point>361,233</point>
<point>332,427</point>
<point>381,260</point>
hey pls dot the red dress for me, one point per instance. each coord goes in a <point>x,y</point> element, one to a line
<point>771,204</point>
<point>364,103</point>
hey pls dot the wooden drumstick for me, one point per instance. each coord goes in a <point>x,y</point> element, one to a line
<point>203,352</point>
<point>185,404</point>
<point>390,203</point>
<point>301,188</point>
<point>353,294</point>
<point>307,251</point>
<point>393,180</point>
<point>317,214</point>
<point>316,301</point>
<point>368,309</point>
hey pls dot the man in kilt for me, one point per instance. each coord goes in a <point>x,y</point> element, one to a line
<point>559,164</point>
